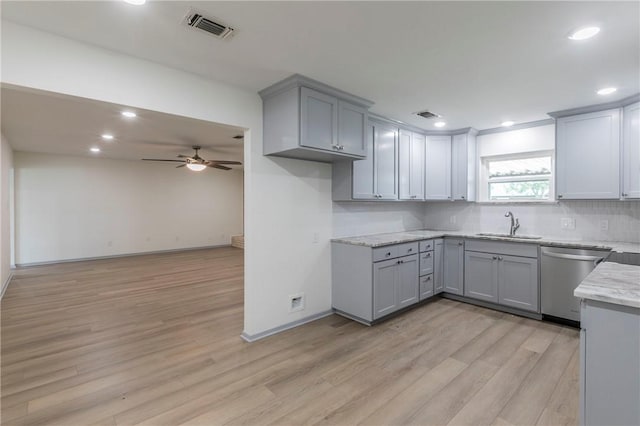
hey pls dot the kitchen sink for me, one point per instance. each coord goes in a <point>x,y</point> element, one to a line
<point>517,237</point>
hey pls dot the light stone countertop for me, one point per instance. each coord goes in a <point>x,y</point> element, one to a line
<point>612,283</point>
<point>378,240</point>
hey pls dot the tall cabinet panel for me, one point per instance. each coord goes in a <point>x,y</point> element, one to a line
<point>411,165</point>
<point>631,151</point>
<point>362,180</point>
<point>454,266</point>
<point>463,166</point>
<point>438,168</point>
<point>385,145</point>
<point>588,156</point>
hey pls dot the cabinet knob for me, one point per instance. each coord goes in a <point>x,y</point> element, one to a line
<point>462,196</point>
<point>427,255</point>
<point>494,257</point>
<point>460,243</point>
<point>624,194</point>
<point>559,195</point>
<point>499,257</point>
<point>410,250</point>
<point>388,254</point>
<point>429,278</point>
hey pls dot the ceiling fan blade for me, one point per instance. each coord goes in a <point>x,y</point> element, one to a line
<point>216,166</point>
<point>158,159</point>
<point>181,165</point>
<point>185,156</point>
<point>223,162</point>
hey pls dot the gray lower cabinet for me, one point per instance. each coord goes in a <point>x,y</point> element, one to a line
<point>609,364</point>
<point>438,266</point>
<point>494,276</point>
<point>481,276</point>
<point>453,266</point>
<point>518,282</point>
<point>395,285</point>
<point>369,283</point>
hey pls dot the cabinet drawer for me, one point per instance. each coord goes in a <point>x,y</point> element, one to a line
<point>426,286</point>
<point>426,245</point>
<point>384,253</point>
<point>407,249</point>
<point>426,263</point>
<point>513,249</point>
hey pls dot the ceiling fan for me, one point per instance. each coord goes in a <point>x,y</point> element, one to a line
<point>197,163</point>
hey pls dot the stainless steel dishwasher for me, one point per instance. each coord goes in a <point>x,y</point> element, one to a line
<point>561,270</point>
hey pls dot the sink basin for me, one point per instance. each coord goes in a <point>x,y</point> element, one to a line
<point>517,237</point>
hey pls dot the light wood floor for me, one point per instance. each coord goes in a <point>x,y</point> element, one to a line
<point>155,340</point>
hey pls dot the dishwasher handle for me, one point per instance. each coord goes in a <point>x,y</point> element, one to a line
<point>595,259</point>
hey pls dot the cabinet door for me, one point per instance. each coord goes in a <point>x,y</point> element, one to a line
<point>588,156</point>
<point>481,276</point>
<point>385,294</point>
<point>408,284</point>
<point>463,167</point>
<point>438,266</point>
<point>454,266</point>
<point>631,151</point>
<point>352,128</point>
<point>438,168</point>
<point>411,165</point>
<point>426,287</point>
<point>318,120</point>
<point>518,282</point>
<point>363,171</point>
<point>385,159</point>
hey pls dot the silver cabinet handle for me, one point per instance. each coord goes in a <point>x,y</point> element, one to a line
<point>400,261</point>
<point>460,243</point>
<point>462,196</point>
<point>494,257</point>
<point>624,194</point>
<point>500,258</point>
<point>410,250</point>
<point>427,255</point>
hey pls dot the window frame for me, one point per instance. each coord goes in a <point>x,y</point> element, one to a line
<point>484,180</point>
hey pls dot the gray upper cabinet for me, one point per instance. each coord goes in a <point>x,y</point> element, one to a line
<point>518,282</point>
<point>411,165</point>
<point>588,156</point>
<point>481,276</point>
<point>453,266</point>
<point>463,166</point>
<point>438,167</point>
<point>308,120</point>
<point>374,178</point>
<point>352,128</point>
<point>631,151</point>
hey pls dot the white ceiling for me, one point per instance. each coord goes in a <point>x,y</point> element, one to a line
<point>38,121</point>
<point>476,63</point>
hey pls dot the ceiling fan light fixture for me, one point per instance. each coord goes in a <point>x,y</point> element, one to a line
<point>196,167</point>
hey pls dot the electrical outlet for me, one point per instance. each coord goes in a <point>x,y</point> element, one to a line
<point>568,223</point>
<point>296,302</point>
<point>604,225</point>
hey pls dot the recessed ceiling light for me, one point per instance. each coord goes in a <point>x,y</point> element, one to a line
<point>94,149</point>
<point>439,124</point>
<point>606,91</point>
<point>129,114</point>
<point>107,137</point>
<point>508,123</point>
<point>136,2</point>
<point>584,33</point>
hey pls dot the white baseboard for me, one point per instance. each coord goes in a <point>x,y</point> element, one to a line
<point>115,256</point>
<point>253,337</point>
<point>5,285</point>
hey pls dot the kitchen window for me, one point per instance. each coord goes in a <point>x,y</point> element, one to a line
<point>517,177</point>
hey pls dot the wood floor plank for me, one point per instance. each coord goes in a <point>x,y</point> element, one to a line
<point>154,340</point>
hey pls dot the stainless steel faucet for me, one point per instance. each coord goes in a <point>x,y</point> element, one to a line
<point>515,224</point>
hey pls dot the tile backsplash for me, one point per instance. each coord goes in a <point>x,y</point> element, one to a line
<point>364,218</point>
<point>622,218</point>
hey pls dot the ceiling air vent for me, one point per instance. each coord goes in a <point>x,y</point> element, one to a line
<point>217,29</point>
<point>428,114</point>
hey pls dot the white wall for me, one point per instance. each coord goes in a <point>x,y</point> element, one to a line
<point>286,201</point>
<point>542,219</point>
<point>79,207</point>
<point>362,218</point>
<point>540,138</point>
<point>6,169</point>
